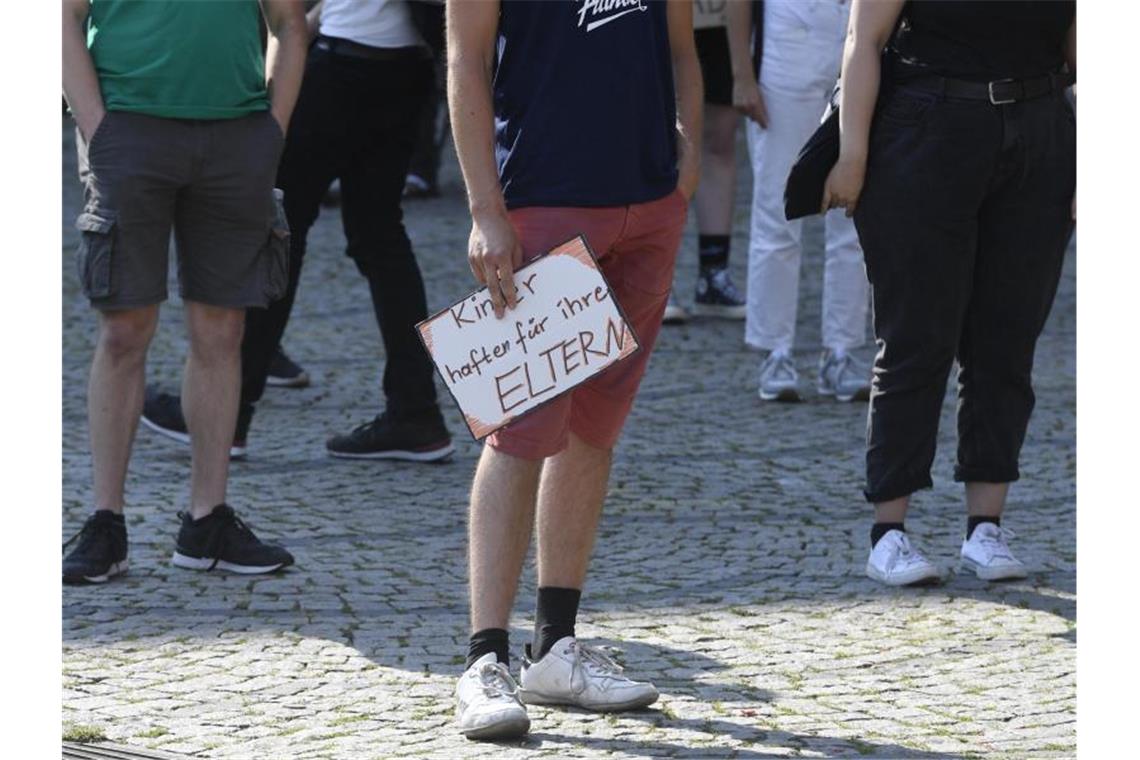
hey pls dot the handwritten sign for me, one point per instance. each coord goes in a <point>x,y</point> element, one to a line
<point>566,328</point>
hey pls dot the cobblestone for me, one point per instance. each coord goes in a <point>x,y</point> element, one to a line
<point>728,568</point>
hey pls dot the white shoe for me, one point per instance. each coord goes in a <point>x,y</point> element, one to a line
<point>675,314</point>
<point>987,554</point>
<point>843,376</point>
<point>574,674</point>
<point>779,380</point>
<point>488,705</point>
<point>895,562</point>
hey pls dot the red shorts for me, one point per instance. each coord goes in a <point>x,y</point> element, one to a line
<point>636,247</point>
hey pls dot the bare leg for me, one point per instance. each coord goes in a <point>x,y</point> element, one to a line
<point>570,497</point>
<point>115,397</point>
<point>986,499</point>
<point>498,533</point>
<point>211,385</point>
<point>714,196</point>
<point>893,510</point>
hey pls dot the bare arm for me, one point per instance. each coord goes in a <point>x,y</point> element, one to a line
<point>868,32</point>
<point>80,83</point>
<point>493,250</point>
<point>285,55</point>
<point>690,94</point>
<point>746,97</point>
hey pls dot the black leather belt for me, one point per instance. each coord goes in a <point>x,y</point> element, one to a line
<point>367,52</point>
<point>998,92</point>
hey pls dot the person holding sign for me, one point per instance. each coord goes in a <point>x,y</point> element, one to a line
<point>569,119</point>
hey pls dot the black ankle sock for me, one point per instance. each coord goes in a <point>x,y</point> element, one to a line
<point>489,640</point>
<point>554,617</point>
<point>880,529</point>
<point>974,521</point>
<point>115,516</point>
<point>713,251</point>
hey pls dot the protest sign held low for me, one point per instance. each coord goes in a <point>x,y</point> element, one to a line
<point>566,328</point>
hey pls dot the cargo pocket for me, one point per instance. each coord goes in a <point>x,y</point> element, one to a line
<point>275,253</point>
<point>93,257</point>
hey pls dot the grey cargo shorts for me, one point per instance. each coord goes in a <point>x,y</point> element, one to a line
<point>211,182</point>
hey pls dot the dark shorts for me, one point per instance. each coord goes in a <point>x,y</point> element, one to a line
<point>208,181</point>
<point>716,65</point>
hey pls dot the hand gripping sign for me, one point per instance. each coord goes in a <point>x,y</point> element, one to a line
<point>566,328</point>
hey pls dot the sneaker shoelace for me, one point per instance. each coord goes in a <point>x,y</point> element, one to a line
<point>592,661</point>
<point>228,530</point>
<point>906,554</point>
<point>371,425</point>
<point>996,542</point>
<point>497,682</point>
<point>781,368</point>
<point>90,531</point>
<point>723,284</point>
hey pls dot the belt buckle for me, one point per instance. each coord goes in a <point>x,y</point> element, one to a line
<point>993,99</point>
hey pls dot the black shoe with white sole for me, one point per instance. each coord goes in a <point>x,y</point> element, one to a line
<point>162,413</point>
<point>418,439</point>
<point>102,550</point>
<point>221,540</point>
<point>286,373</point>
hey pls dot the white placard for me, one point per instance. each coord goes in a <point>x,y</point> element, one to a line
<point>566,328</point>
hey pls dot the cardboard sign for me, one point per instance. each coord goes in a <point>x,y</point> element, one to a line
<point>566,328</point>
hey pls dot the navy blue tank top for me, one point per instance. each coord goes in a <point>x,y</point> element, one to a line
<point>584,105</point>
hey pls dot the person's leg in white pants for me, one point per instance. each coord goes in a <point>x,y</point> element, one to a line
<point>774,246</point>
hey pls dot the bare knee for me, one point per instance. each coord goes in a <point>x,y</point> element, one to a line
<point>124,335</point>
<point>719,139</point>
<point>215,332</point>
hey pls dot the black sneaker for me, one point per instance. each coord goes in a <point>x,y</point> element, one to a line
<point>162,413</point>
<point>286,373</point>
<point>102,550</point>
<point>221,540</point>
<point>717,296</point>
<point>423,439</point>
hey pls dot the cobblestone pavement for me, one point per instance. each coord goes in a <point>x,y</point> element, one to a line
<point>729,566</point>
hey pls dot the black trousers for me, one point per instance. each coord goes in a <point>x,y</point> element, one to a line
<point>964,219</point>
<point>434,124</point>
<point>355,120</point>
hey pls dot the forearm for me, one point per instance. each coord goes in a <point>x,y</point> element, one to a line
<point>689,89</point>
<point>80,82</point>
<point>690,108</point>
<point>285,65</point>
<point>472,130</point>
<point>739,40</point>
<point>860,90</point>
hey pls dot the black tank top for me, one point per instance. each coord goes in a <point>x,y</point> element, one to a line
<point>584,108</point>
<point>981,40</point>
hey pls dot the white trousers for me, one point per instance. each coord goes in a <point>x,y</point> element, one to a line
<point>802,48</point>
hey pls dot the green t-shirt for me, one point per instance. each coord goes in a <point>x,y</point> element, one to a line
<point>180,59</point>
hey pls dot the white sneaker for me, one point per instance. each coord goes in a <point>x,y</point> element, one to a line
<point>895,562</point>
<point>987,554</point>
<point>779,380</point>
<point>488,705</point>
<point>574,674</point>
<point>675,313</point>
<point>843,376</point>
